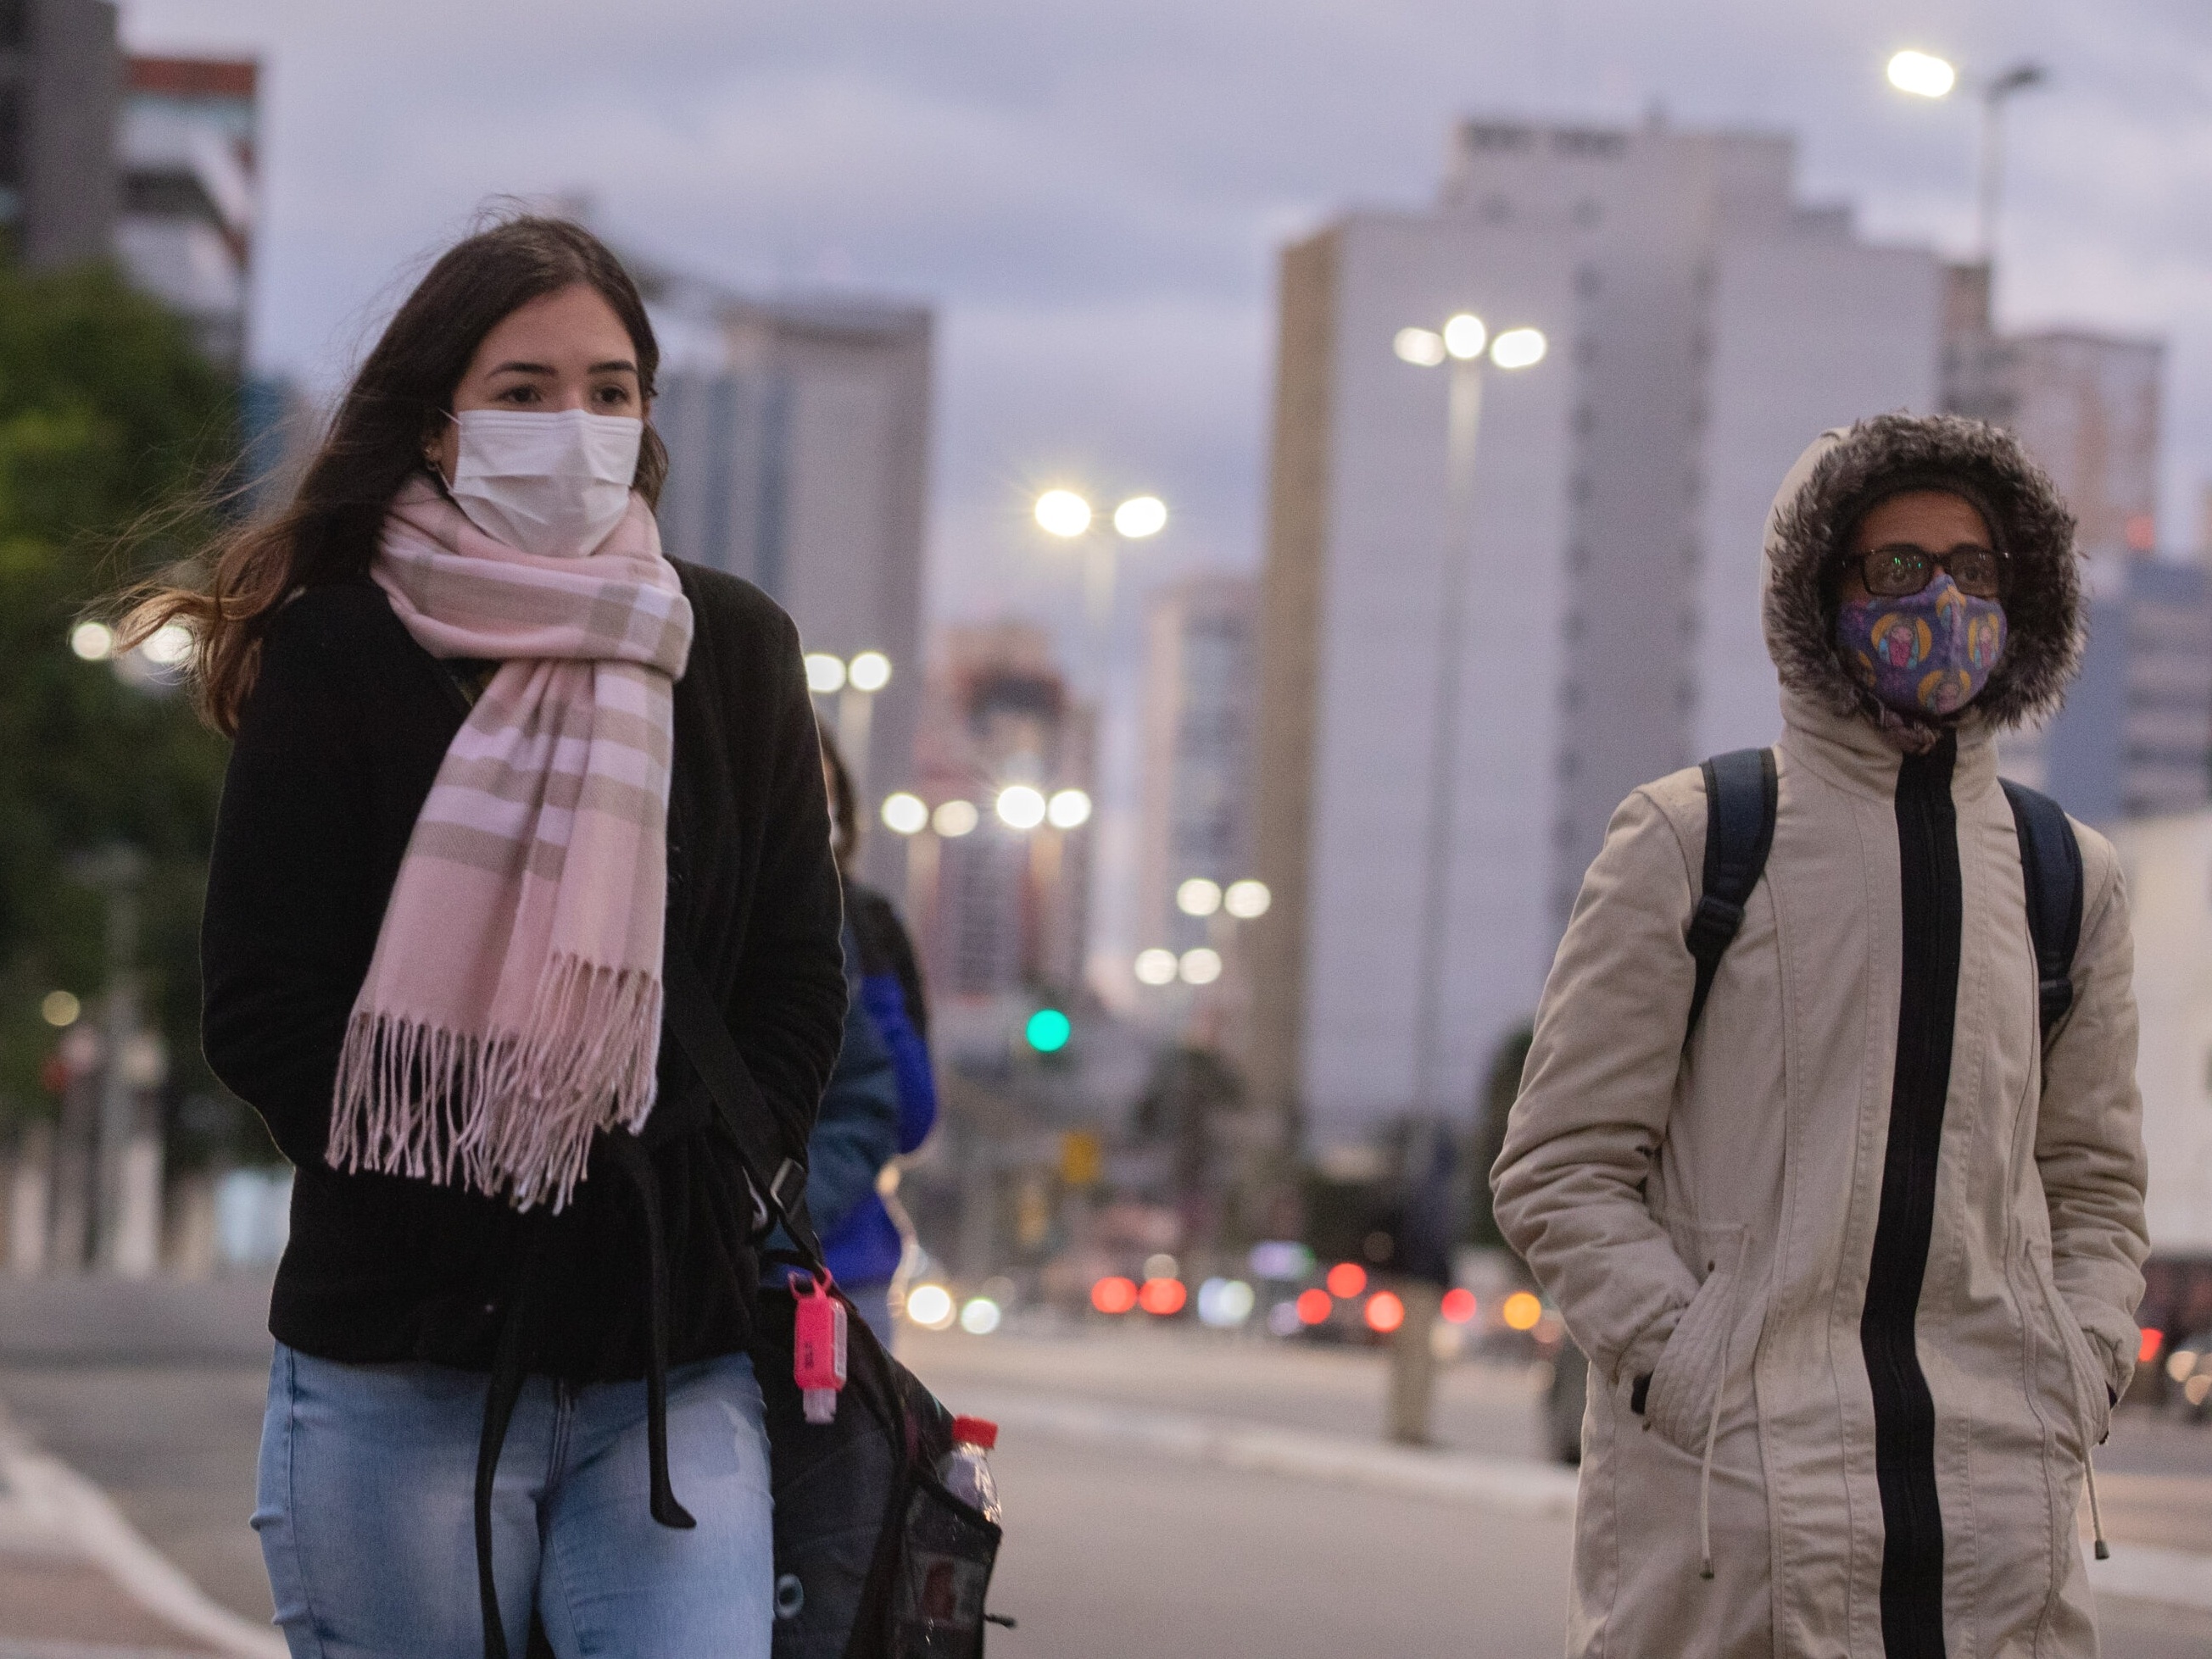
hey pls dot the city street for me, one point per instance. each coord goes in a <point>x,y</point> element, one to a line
<point>1170,1493</point>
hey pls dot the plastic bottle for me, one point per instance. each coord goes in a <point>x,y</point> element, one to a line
<point>966,1469</point>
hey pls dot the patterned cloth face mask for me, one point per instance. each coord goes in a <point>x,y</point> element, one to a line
<point>1928,653</point>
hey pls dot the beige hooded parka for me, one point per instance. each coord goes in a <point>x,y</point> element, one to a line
<point>1856,1309</point>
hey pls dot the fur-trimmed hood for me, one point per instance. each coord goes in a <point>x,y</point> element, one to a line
<point>1831,482</point>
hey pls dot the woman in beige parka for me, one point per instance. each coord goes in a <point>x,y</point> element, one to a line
<point>1856,1268</point>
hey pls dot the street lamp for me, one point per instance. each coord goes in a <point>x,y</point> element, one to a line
<point>855,684</point>
<point>1021,807</point>
<point>1463,343</point>
<point>1924,74</point>
<point>905,814</point>
<point>1067,514</point>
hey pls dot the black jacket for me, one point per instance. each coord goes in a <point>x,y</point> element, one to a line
<point>336,751</point>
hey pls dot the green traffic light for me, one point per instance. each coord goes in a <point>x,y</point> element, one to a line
<point>1048,1030</point>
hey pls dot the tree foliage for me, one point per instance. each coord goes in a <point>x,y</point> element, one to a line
<point>110,419</point>
<point>1500,1088</point>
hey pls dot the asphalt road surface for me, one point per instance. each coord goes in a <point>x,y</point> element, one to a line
<point>155,1392</point>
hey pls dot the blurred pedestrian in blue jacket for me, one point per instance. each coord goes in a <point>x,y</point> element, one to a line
<point>881,1098</point>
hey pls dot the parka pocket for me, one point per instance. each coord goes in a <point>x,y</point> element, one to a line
<point>1693,1367</point>
<point>2089,1391</point>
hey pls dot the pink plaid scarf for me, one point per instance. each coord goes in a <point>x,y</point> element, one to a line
<point>514,1003</point>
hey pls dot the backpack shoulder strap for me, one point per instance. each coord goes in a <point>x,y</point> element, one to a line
<point>2051,867</point>
<point>1743,795</point>
<point>779,1182</point>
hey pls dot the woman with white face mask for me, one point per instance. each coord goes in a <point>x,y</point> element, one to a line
<point>500,765</point>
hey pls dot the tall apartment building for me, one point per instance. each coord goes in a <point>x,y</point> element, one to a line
<point>798,433</point>
<point>2085,404</point>
<point>1195,782</point>
<point>2168,864</point>
<point>998,910</point>
<point>58,86</point>
<point>1704,326</point>
<point>2134,737</point>
<point>187,149</point>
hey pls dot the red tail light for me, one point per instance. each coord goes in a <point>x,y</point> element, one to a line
<point>1385,1312</point>
<point>1162,1297</point>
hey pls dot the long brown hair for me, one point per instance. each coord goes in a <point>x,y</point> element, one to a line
<point>328,531</point>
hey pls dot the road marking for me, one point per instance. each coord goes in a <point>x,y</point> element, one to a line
<point>79,1511</point>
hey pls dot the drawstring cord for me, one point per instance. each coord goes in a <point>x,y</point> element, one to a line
<point>1713,1428</point>
<point>2096,1515</point>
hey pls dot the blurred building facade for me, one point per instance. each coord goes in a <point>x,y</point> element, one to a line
<point>150,160</point>
<point>2167,861</point>
<point>2136,733</point>
<point>60,79</point>
<point>798,433</point>
<point>1704,326</point>
<point>1195,783</point>
<point>187,151</point>
<point>2134,736</point>
<point>1000,911</point>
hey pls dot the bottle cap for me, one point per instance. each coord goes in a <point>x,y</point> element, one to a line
<point>975,1432</point>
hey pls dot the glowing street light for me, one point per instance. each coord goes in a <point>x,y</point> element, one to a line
<point>905,814</point>
<point>92,641</point>
<point>1063,513</point>
<point>1157,967</point>
<point>1465,336</point>
<point>870,671</point>
<point>1246,900</point>
<point>825,674</point>
<point>1518,348</point>
<point>1198,896</point>
<point>1069,809</point>
<point>1200,967</point>
<point>1140,516</point>
<point>1020,807</point>
<point>1921,74</point>
<point>1424,348</point>
<point>955,818</point>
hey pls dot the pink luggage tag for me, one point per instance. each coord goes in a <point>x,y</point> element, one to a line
<point>817,1349</point>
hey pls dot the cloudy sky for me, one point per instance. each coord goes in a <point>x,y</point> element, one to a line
<point>1092,195</point>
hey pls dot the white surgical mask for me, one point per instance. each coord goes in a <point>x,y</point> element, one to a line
<point>554,485</point>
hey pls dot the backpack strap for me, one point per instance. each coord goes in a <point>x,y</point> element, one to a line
<point>2050,868</point>
<point>1742,795</point>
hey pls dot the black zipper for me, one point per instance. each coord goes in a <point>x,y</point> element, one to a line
<point>1904,1410</point>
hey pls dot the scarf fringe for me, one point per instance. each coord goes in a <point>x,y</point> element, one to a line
<point>510,1114</point>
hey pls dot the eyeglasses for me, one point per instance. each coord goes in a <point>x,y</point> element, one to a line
<point>1901,568</point>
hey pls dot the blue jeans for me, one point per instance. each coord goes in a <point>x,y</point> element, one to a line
<point>367,1505</point>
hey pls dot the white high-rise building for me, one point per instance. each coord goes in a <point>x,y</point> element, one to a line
<point>187,149</point>
<point>798,436</point>
<point>1703,327</point>
<point>1195,793</point>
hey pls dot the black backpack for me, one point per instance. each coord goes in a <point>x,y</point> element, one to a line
<point>1740,799</point>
